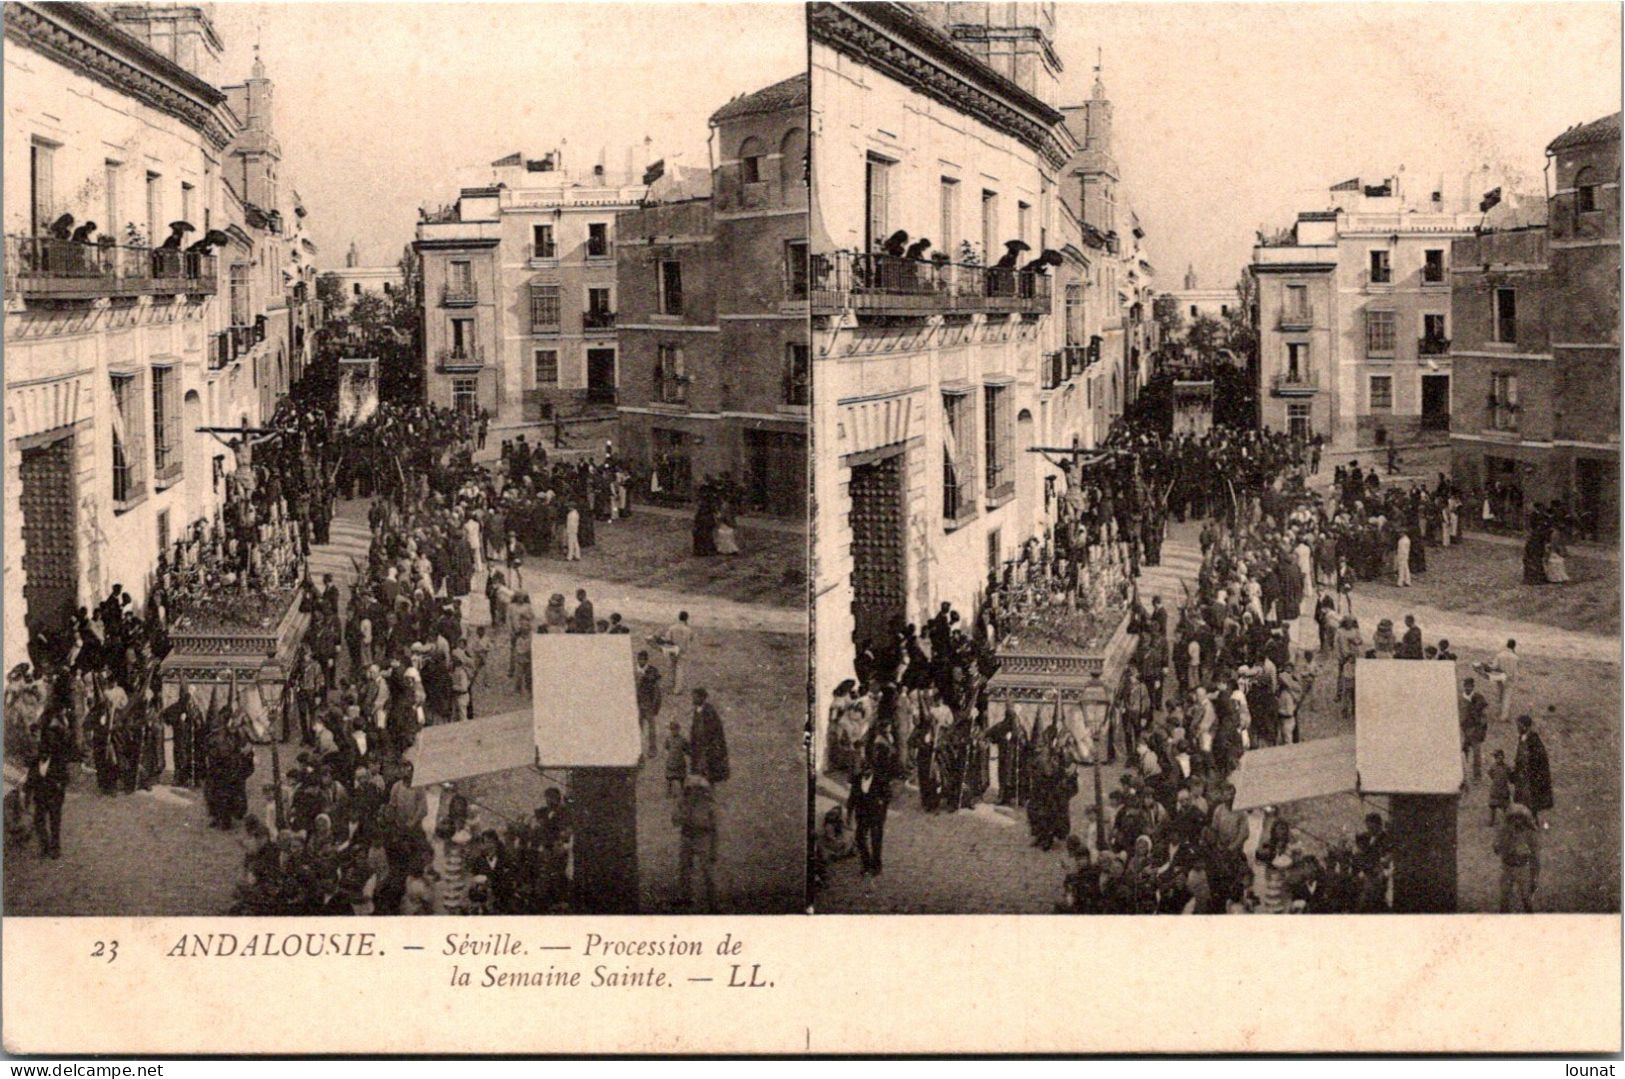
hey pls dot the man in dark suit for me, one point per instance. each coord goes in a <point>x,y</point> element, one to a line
<point>48,774</point>
<point>648,683</point>
<point>708,743</point>
<point>581,619</point>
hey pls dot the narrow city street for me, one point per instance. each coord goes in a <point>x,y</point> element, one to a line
<point>152,852</point>
<point>983,859</point>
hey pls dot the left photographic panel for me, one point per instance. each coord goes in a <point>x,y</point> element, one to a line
<point>405,459</point>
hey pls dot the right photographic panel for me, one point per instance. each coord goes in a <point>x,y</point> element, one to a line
<point>1215,458</point>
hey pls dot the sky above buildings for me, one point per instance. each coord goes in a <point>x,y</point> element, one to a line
<point>1229,117</point>
<point>381,108</point>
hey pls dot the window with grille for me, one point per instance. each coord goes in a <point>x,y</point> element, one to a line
<point>1382,391</point>
<point>671,287</point>
<point>1379,333</point>
<point>997,431</point>
<point>671,381</point>
<point>797,375</point>
<point>958,459</point>
<point>127,457</point>
<point>547,366</point>
<point>541,242</point>
<point>544,308</point>
<point>166,424</point>
<point>464,394</point>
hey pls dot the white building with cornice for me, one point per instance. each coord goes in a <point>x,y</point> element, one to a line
<point>116,350</point>
<point>929,363</point>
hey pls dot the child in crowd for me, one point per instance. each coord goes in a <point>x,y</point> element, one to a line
<point>1500,785</point>
<point>676,758</point>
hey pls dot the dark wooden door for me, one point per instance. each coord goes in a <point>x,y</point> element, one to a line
<point>50,536</point>
<point>879,590</point>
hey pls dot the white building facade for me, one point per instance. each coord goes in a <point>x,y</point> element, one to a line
<point>936,375</point>
<point>116,351</point>
<point>519,291</point>
<point>1354,315</point>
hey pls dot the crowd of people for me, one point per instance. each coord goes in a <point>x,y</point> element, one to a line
<point>1227,672</point>
<point>344,829</point>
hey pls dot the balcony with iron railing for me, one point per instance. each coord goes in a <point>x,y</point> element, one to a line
<point>889,285</point>
<point>600,249</point>
<point>595,320</point>
<point>459,294</point>
<point>43,268</point>
<point>1296,384</point>
<point>462,358</point>
<point>1297,317</point>
<point>1435,277</point>
<point>1432,346</point>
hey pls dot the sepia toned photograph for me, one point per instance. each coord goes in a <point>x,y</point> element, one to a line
<point>406,456</point>
<point>1216,474</point>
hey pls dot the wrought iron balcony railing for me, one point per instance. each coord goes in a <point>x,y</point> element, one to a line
<point>43,268</point>
<point>466,358</point>
<point>877,284</point>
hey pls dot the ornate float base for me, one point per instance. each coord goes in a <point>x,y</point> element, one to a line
<point>261,656</point>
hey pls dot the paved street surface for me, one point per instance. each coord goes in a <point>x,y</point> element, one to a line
<point>152,852</point>
<point>982,860</point>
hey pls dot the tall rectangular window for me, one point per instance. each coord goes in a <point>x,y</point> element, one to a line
<point>1381,271</point>
<point>598,301</point>
<point>238,288</point>
<point>1297,361</point>
<point>42,185</point>
<point>163,530</point>
<point>547,366</point>
<point>795,269</point>
<point>948,219</point>
<point>541,242</point>
<point>1504,401</point>
<point>797,375</point>
<point>544,308</point>
<point>1297,302</point>
<point>1506,316</point>
<point>155,210</point>
<point>464,394</point>
<point>958,458</point>
<point>1074,315</point>
<point>189,204</point>
<point>1382,392</point>
<point>997,432</point>
<point>877,199</point>
<point>127,455</point>
<point>671,380</point>
<point>166,424</point>
<point>462,337</point>
<point>1433,333</point>
<point>112,175</point>
<point>1379,333</point>
<point>1024,215</point>
<point>598,240</point>
<point>671,287</point>
<point>990,228</point>
<point>1433,266</point>
<point>460,276</point>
